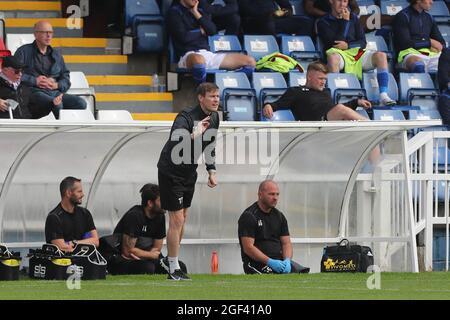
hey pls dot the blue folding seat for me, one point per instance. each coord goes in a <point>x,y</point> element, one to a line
<point>297,79</point>
<point>269,86</point>
<point>388,115</point>
<point>439,11</point>
<point>146,24</point>
<point>391,8</point>
<point>224,43</point>
<point>417,89</point>
<point>344,87</point>
<point>260,46</point>
<point>370,84</point>
<point>280,115</point>
<point>365,7</point>
<point>236,95</point>
<point>377,43</point>
<point>300,48</point>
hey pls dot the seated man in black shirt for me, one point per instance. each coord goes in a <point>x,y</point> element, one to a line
<point>264,235</point>
<point>311,103</point>
<point>69,224</point>
<point>142,229</point>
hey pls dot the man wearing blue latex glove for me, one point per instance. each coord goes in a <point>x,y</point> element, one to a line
<point>264,235</point>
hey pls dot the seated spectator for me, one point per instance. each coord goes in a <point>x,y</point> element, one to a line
<point>69,224</point>
<point>417,39</point>
<point>189,27</point>
<point>311,103</point>
<point>273,17</point>
<point>224,17</point>
<point>344,43</point>
<point>264,235</point>
<point>141,232</point>
<point>319,8</point>
<point>444,85</point>
<point>46,74</point>
<point>12,88</point>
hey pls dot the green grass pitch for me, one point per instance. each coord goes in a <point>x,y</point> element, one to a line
<point>435,285</point>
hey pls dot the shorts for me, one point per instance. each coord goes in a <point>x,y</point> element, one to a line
<point>366,61</point>
<point>212,60</point>
<point>431,63</point>
<point>176,193</point>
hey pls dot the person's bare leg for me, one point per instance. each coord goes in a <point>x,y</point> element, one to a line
<point>234,61</point>
<point>185,211</point>
<point>334,60</point>
<point>342,112</point>
<point>412,66</point>
<point>176,222</point>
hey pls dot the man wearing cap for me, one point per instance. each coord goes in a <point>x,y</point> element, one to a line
<point>47,75</point>
<point>11,88</point>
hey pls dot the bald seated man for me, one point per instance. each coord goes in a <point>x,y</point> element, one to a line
<point>264,235</point>
<point>46,74</point>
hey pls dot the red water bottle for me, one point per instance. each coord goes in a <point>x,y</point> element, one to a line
<point>214,263</point>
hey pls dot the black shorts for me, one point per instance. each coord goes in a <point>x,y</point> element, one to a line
<point>175,192</point>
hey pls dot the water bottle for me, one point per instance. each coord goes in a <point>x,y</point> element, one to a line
<point>155,83</point>
<point>214,263</point>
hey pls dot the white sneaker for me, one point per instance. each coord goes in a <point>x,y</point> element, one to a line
<point>385,100</point>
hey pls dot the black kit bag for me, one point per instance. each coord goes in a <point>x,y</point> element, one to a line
<point>9,264</point>
<point>345,257</point>
<point>48,263</point>
<point>88,262</point>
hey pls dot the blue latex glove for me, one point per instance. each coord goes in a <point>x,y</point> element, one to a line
<point>276,265</point>
<point>287,265</point>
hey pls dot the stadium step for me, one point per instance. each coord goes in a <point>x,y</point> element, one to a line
<point>120,83</point>
<point>31,9</point>
<point>97,64</point>
<point>169,116</point>
<point>62,27</point>
<point>160,102</point>
<point>89,46</point>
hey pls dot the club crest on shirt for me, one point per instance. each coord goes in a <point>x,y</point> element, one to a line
<point>144,229</point>
<point>260,223</point>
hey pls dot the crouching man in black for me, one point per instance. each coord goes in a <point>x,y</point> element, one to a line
<point>139,236</point>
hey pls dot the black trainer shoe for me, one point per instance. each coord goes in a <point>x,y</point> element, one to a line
<point>178,275</point>
<point>164,263</point>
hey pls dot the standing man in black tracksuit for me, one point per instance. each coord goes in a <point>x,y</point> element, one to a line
<point>177,166</point>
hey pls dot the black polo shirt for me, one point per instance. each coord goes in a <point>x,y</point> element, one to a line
<point>135,224</point>
<point>265,228</point>
<point>61,224</point>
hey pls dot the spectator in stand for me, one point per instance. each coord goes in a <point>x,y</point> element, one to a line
<point>224,16</point>
<point>344,42</point>
<point>417,39</point>
<point>444,85</point>
<point>189,27</point>
<point>46,74</point>
<point>319,8</point>
<point>12,88</point>
<point>273,17</point>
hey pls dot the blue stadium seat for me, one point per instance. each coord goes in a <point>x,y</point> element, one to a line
<point>269,86</point>
<point>260,46</point>
<point>224,43</point>
<point>424,115</point>
<point>143,18</point>
<point>377,43</point>
<point>296,79</point>
<point>301,48</point>
<point>297,7</point>
<point>391,8</point>
<point>281,115</point>
<point>418,89</point>
<point>364,7</point>
<point>439,11</point>
<point>370,84</point>
<point>388,115</point>
<point>445,31</point>
<point>344,87</point>
<point>237,97</point>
